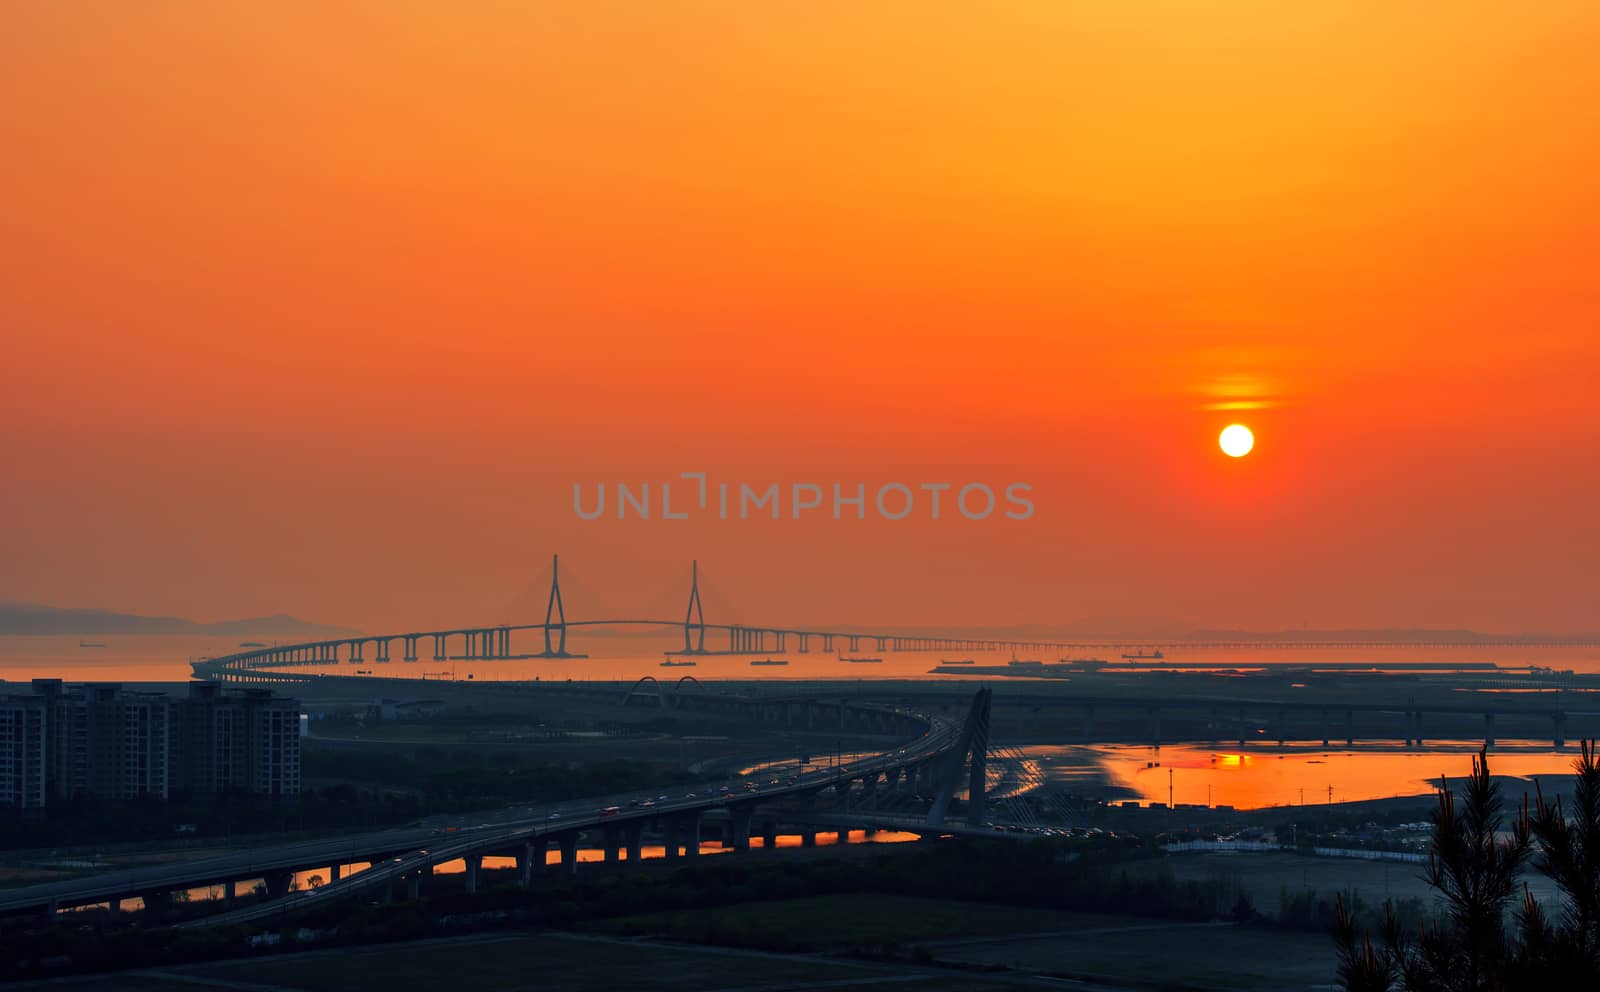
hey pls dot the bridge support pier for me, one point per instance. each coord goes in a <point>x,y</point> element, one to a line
<point>740,828</point>
<point>278,884</point>
<point>612,845</point>
<point>530,860</point>
<point>156,903</point>
<point>335,872</point>
<point>769,835</point>
<point>569,853</point>
<point>414,887</point>
<point>474,863</point>
<point>808,838</point>
<point>691,835</point>
<point>634,834</point>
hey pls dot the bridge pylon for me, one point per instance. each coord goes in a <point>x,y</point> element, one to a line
<point>973,743</point>
<point>694,618</point>
<point>555,618</point>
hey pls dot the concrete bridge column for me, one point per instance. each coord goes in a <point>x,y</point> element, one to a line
<point>613,845</point>
<point>691,839</point>
<point>569,853</point>
<point>769,835</point>
<point>229,893</point>
<point>808,838</point>
<point>530,860</point>
<point>278,884</point>
<point>414,887</point>
<point>157,903</point>
<point>474,864</point>
<point>634,832</point>
<point>739,827</point>
<point>669,838</point>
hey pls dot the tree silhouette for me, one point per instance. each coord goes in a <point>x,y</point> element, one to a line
<point>1475,865</point>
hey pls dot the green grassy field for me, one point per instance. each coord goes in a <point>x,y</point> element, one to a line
<point>827,922</point>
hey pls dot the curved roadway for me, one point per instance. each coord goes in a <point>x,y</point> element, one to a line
<point>397,853</point>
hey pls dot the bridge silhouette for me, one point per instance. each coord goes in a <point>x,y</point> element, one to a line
<point>494,642</point>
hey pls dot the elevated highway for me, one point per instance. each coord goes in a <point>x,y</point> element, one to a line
<point>932,761</point>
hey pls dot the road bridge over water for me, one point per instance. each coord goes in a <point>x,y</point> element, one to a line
<point>291,662</point>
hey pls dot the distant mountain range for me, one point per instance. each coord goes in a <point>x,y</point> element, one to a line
<point>31,618</point>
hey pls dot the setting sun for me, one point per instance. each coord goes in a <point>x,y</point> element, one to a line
<point>1236,440</point>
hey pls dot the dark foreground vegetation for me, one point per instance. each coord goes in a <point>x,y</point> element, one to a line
<point>1476,863</point>
<point>1108,876</point>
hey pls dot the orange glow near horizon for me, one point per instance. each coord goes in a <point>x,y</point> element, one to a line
<point>324,310</point>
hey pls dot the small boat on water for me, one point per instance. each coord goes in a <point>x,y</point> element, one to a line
<point>860,661</point>
<point>963,661</point>
<point>90,644</point>
<point>1141,656</point>
<point>669,663</point>
<point>770,661</point>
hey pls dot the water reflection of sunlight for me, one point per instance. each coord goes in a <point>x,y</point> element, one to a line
<point>1198,776</point>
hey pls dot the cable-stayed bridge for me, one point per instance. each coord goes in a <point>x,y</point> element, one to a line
<point>495,642</point>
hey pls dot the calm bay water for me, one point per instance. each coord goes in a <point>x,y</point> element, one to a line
<point>148,658</point>
<point>1258,778</point>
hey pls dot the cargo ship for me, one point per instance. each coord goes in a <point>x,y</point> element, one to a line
<point>770,661</point>
<point>669,663</point>
<point>1141,656</point>
<point>860,661</point>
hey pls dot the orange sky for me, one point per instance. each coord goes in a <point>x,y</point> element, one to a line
<point>325,310</point>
